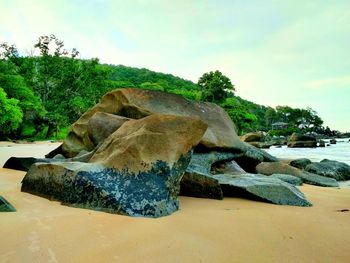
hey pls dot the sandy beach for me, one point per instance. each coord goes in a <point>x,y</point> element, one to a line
<point>203,230</point>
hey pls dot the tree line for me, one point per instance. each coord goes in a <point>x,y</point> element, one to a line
<point>40,96</point>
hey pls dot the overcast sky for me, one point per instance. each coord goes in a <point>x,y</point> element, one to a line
<point>294,53</point>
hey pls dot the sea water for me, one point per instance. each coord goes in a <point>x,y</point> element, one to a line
<point>338,152</point>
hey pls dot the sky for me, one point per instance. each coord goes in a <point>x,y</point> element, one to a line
<point>294,53</point>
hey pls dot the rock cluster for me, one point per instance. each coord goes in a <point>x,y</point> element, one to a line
<point>133,153</point>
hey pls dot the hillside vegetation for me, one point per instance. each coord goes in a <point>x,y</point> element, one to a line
<point>40,96</point>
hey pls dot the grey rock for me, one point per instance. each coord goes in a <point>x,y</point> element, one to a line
<point>333,169</point>
<point>268,188</point>
<point>269,168</point>
<point>288,179</point>
<point>197,182</point>
<point>150,193</point>
<point>227,167</point>
<point>5,206</point>
<point>300,163</point>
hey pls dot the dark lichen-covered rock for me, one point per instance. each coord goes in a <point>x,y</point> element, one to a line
<point>268,188</point>
<point>288,178</point>
<point>151,193</point>
<point>136,171</point>
<point>269,168</point>
<point>5,206</point>
<point>301,141</point>
<point>333,169</point>
<point>300,163</point>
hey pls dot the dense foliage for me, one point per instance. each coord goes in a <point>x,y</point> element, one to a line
<point>215,86</point>
<point>40,96</point>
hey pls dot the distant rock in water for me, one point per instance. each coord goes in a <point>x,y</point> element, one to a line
<point>333,141</point>
<point>301,141</point>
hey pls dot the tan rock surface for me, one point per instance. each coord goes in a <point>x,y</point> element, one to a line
<point>137,103</point>
<point>138,144</point>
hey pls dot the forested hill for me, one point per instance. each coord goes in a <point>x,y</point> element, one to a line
<point>40,96</point>
<point>136,77</point>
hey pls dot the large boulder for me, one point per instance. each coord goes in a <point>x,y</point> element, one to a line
<point>333,169</point>
<point>5,206</point>
<point>269,168</point>
<point>136,171</point>
<point>138,144</point>
<point>301,141</point>
<point>138,103</point>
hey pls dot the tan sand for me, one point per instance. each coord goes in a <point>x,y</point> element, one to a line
<point>232,230</point>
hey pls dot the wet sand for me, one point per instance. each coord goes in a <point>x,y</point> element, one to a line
<point>232,230</point>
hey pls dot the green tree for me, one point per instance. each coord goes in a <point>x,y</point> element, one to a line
<point>244,120</point>
<point>215,86</point>
<point>10,114</point>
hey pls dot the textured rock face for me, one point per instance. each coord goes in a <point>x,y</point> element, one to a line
<point>268,188</point>
<point>136,171</point>
<point>300,163</point>
<point>138,103</point>
<point>101,125</point>
<point>301,141</point>
<point>282,168</point>
<point>288,178</point>
<point>138,144</point>
<point>151,193</point>
<point>333,169</point>
<point>6,206</point>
